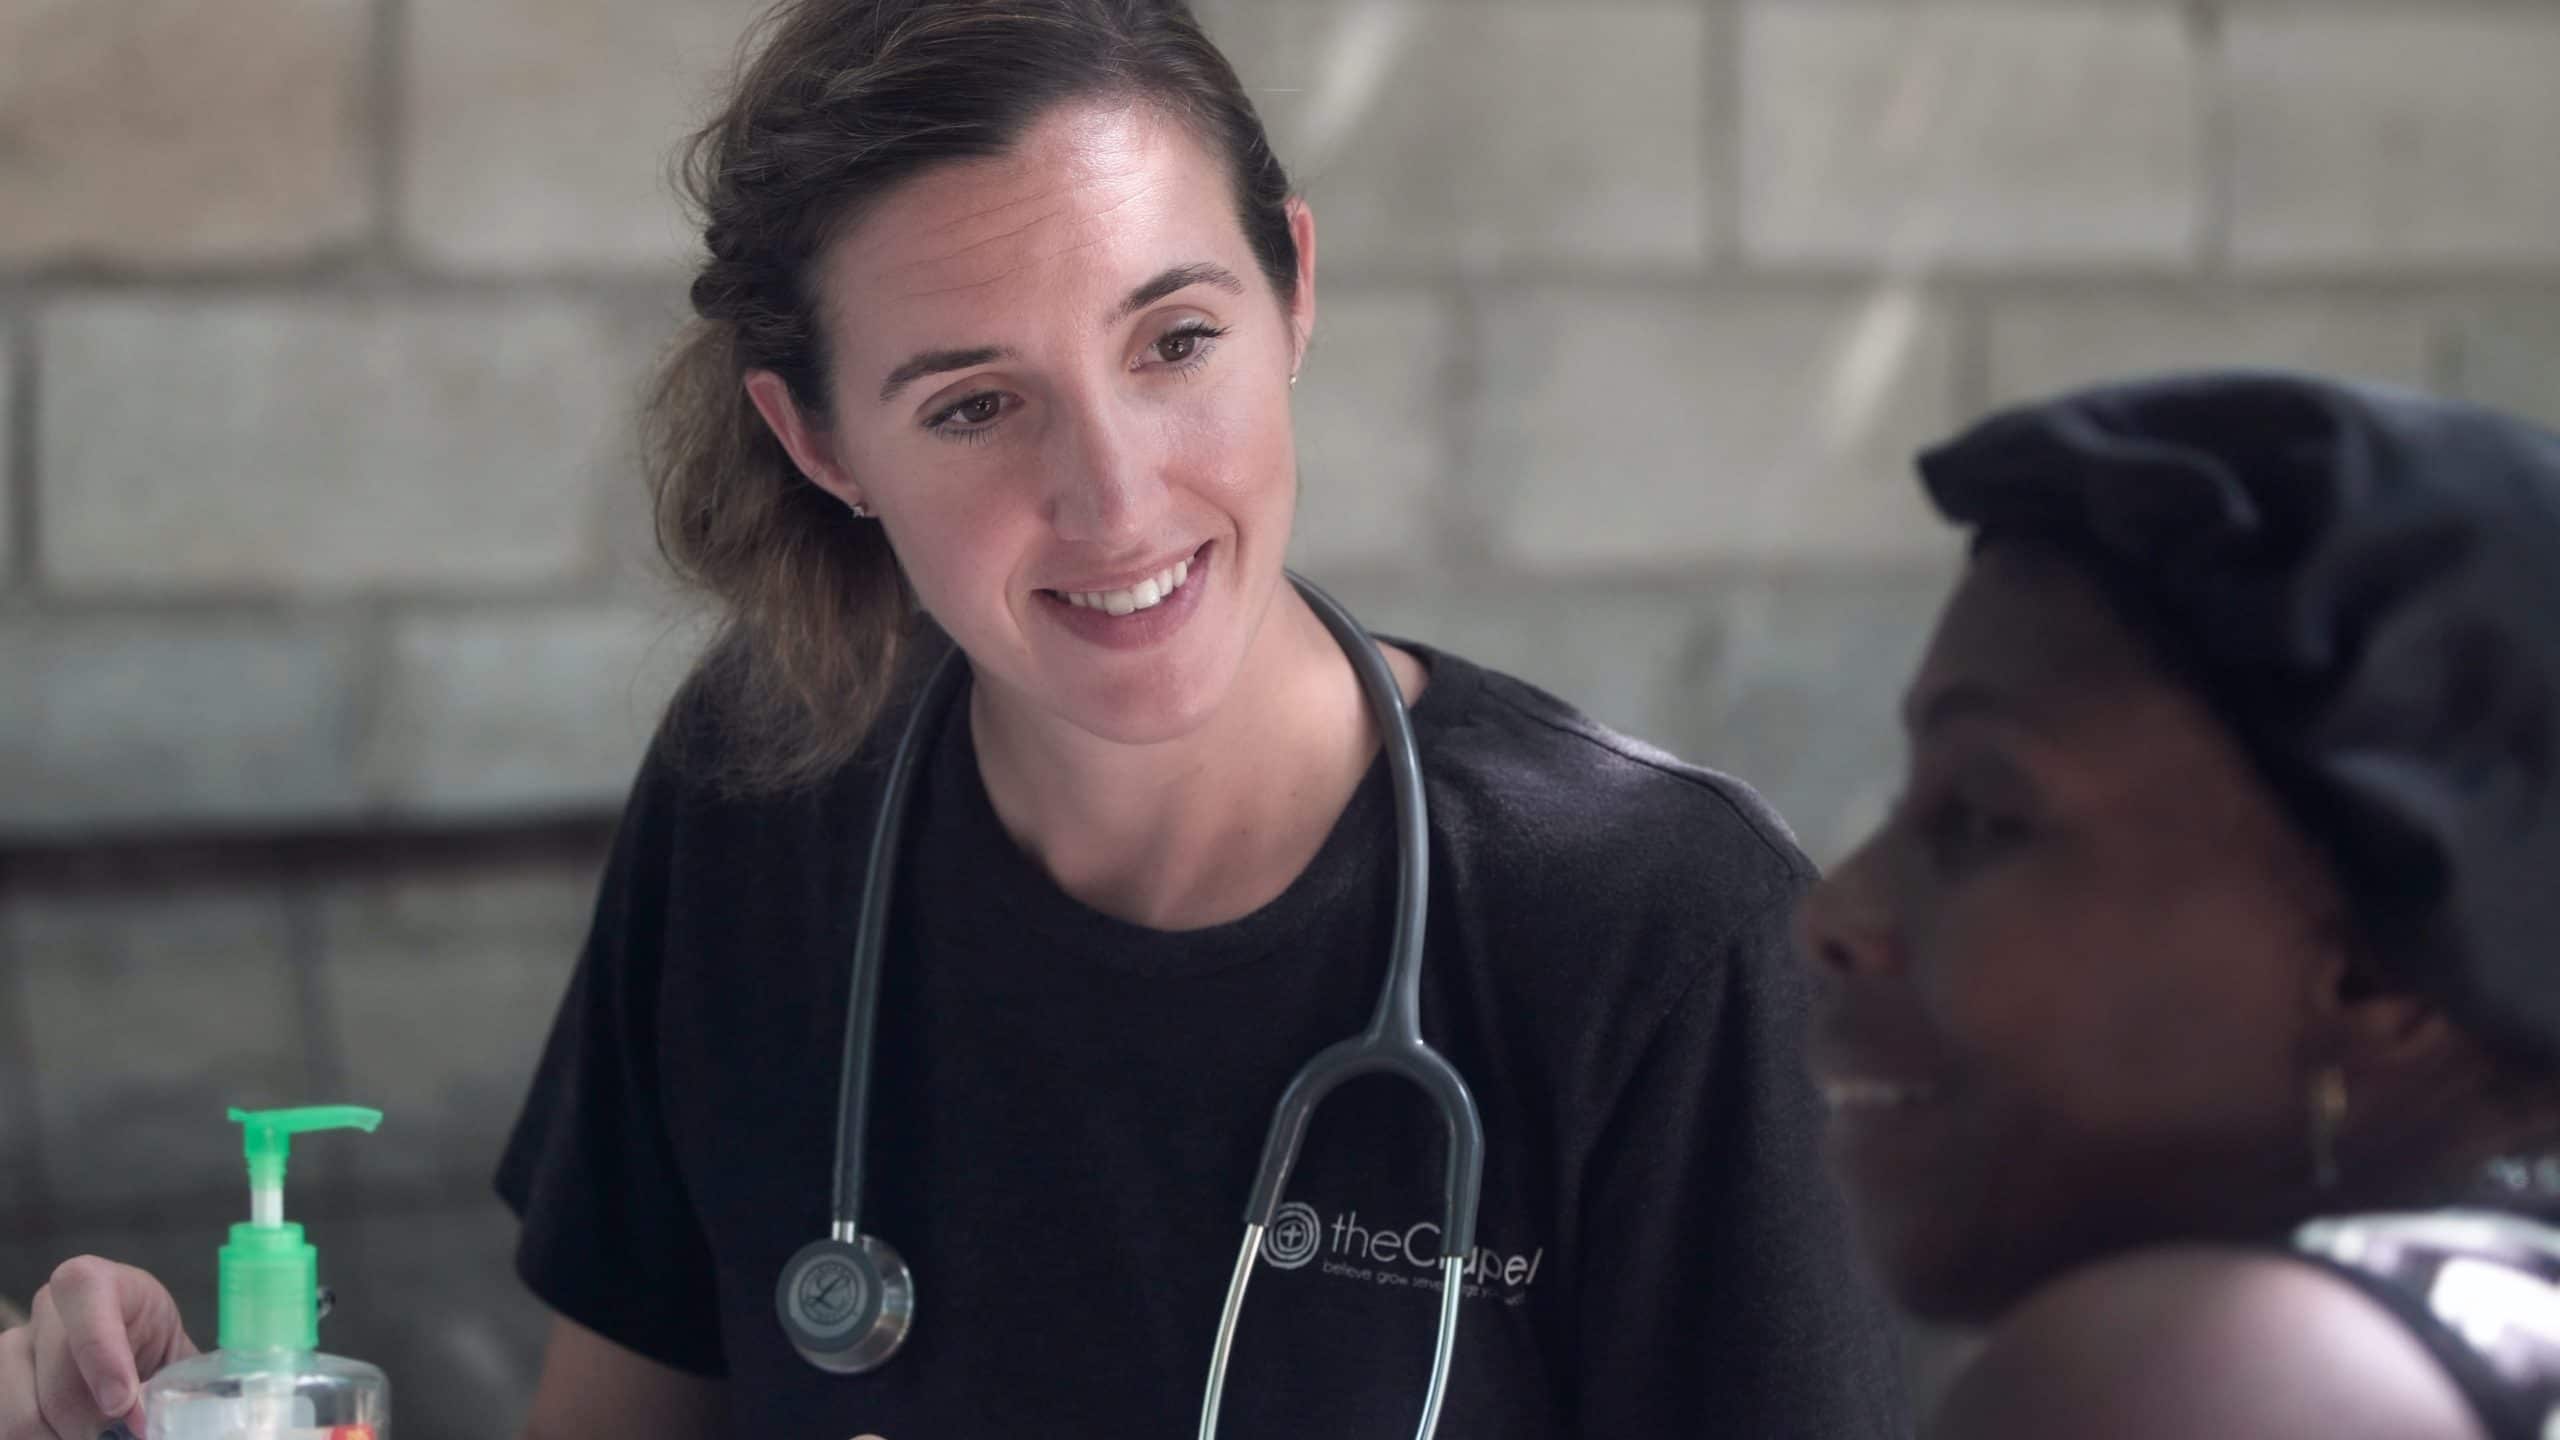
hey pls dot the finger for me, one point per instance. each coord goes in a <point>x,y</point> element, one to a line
<point>107,1309</point>
<point>69,1411</point>
<point>19,1417</point>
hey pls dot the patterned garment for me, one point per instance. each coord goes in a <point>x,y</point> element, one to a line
<point>2479,1288</point>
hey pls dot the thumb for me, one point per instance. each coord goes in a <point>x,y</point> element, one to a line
<point>121,1326</point>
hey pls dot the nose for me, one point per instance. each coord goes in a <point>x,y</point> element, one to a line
<point>1844,925</point>
<point>1106,482</point>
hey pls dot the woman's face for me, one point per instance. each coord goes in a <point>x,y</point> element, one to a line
<point>1061,381</point>
<point>2065,991</point>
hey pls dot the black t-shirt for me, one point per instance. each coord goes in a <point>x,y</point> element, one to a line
<point>1068,1111</point>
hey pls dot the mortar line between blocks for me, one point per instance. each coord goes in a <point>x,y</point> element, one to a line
<point>2217,139</point>
<point>31,1196</point>
<point>18,478</point>
<point>1721,75</point>
<point>324,1054</point>
<point>386,117</point>
<point>1458,507</point>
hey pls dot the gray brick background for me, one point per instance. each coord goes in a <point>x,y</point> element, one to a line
<point>2367,135</point>
<point>328,632</point>
<point>2002,133</point>
<point>175,133</point>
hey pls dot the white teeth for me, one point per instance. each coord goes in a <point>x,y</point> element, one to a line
<point>1145,595</point>
<point>1871,1094</point>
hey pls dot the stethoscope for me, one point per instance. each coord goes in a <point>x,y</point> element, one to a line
<point>848,1301</point>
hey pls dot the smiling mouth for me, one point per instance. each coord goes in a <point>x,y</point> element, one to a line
<point>1874,1094</point>
<point>1147,594</point>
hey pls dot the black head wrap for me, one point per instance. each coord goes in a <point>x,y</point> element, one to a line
<point>2365,584</point>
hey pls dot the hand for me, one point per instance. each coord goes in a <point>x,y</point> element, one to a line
<point>92,1336</point>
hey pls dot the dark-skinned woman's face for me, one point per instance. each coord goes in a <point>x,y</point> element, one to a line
<point>2066,989</point>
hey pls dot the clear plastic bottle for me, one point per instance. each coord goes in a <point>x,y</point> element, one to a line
<point>268,1380</point>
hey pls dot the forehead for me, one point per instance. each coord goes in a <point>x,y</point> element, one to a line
<point>2025,613</point>
<point>1095,198</point>
<point>2029,628</point>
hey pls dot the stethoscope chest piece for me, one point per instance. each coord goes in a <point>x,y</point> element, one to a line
<point>846,1305</point>
<point>847,1301</point>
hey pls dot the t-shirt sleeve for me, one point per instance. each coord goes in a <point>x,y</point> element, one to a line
<point>610,1237</point>
<point>1723,1293</point>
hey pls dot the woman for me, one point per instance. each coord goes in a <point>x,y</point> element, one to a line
<point>998,322</point>
<point>2194,1020</point>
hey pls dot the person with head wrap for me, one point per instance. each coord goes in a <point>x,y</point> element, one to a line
<point>2194,1019</point>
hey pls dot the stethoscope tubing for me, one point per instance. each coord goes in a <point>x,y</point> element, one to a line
<point>1391,1044</point>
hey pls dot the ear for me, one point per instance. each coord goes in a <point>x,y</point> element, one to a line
<point>807,443</point>
<point>2374,1026</point>
<point>1302,310</point>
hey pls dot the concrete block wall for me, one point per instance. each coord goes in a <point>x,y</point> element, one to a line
<point>327,633</point>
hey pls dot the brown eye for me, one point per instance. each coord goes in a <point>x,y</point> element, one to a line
<point>972,419</point>
<point>1185,346</point>
<point>1957,833</point>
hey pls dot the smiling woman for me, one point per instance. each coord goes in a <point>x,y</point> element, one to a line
<point>989,382</point>
<point>1089,174</point>
<point>996,303</point>
<point>2194,1017</point>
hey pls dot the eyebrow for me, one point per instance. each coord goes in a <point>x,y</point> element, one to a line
<point>1172,281</point>
<point>938,362</point>
<point>1921,714</point>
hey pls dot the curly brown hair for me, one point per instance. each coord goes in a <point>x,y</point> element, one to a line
<point>836,103</point>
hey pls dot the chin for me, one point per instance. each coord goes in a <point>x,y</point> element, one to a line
<point>1146,704</point>
<point>1148,722</point>
<point>1150,692</point>
<point>1939,1272</point>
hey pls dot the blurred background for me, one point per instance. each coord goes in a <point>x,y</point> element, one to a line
<point>328,630</point>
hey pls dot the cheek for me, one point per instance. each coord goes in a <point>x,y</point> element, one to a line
<point>956,532</point>
<point>2112,1015</point>
<point>954,529</point>
<point>1237,447</point>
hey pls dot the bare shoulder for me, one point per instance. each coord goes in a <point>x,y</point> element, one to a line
<point>592,1386</point>
<point>1411,674</point>
<point>2194,1341</point>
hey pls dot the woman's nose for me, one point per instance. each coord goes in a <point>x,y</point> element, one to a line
<point>1843,925</point>
<point>1107,484</point>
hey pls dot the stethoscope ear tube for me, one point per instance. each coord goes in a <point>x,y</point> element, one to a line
<point>848,1301</point>
<point>879,891</point>
<point>1393,1041</point>
<point>1463,1180</point>
<point>1391,1044</point>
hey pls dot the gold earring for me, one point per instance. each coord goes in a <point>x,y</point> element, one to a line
<point>2328,1118</point>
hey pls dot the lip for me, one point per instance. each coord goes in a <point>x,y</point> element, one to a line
<point>1864,1063</point>
<point>1141,629</point>
<point>1866,1092</point>
<point>1885,1130</point>
<point>1124,579</point>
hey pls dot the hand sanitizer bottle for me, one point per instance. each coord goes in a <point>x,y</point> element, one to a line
<point>268,1381</point>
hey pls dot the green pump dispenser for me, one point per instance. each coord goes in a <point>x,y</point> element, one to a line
<point>270,1285</point>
